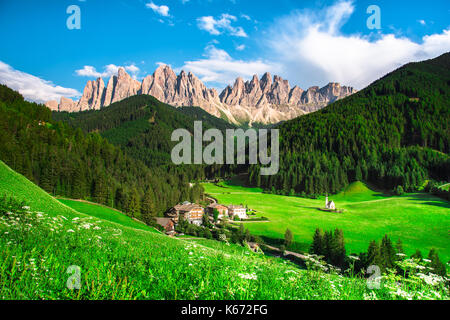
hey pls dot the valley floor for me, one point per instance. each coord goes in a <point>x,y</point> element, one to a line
<point>420,220</point>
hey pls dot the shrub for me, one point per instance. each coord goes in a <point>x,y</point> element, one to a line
<point>10,204</point>
<point>399,191</point>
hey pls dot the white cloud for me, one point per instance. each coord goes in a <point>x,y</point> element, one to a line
<point>32,87</point>
<point>221,25</point>
<point>422,22</point>
<point>88,71</point>
<point>313,51</point>
<point>109,70</point>
<point>219,67</point>
<point>240,47</point>
<point>246,17</point>
<point>162,64</point>
<point>162,10</point>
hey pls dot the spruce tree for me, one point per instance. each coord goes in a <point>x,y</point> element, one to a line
<point>327,244</point>
<point>148,207</point>
<point>417,255</point>
<point>317,246</point>
<point>134,207</point>
<point>373,254</point>
<point>438,267</point>
<point>216,214</point>
<point>387,253</point>
<point>338,249</point>
<point>288,238</point>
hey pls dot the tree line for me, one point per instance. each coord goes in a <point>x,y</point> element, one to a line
<point>384,254</point>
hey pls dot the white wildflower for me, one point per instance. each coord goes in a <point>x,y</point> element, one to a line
<point>248,276</point>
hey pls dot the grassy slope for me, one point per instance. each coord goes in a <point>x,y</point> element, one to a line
<point>420,220</point>
<point>105,213</point>
<point>14,184</point>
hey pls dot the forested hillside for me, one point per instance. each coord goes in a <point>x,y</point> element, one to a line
<point>68,162</point>
<point>393,133</point>
<point>142,126</point>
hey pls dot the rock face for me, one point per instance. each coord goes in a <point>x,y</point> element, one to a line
<point>265,100</point>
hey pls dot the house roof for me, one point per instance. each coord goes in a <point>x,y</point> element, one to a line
<point>163,221</point>
<point>216,205</point>
<point>235,207</point>
<point>187,207</point>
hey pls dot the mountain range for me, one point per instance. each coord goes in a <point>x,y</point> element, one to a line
<point>266,100</point>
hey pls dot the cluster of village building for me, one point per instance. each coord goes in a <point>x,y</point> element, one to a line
<point>193,213</point>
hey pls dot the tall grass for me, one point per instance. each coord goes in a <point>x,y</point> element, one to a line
<point>37,250</point>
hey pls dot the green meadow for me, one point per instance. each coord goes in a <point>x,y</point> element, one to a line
<point>49,250</point>
<point>38,246</point>
<point>420,220</point>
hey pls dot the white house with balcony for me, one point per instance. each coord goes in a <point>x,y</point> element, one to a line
<point>239,211</point>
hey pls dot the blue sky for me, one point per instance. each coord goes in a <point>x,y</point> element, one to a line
<point>308,42</point>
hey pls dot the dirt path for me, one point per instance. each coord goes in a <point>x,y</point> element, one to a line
<point>370,201</point>
<point>211,200</point>
<point>286,253</point>
<point>256,221</point>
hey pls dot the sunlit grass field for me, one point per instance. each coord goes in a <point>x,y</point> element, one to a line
<point>105,213</point>
<point>420,220</point>
<point>42,246</point>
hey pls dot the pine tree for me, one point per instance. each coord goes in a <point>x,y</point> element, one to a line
<point>373,254</point>
<point>338,249</point>
<point>288,238</point>
<point>205,221</point>
<point>248,236</point>
<point>182,224</point>
<point>317,246</point>
<point>436,264</point>
<point>134,206</point>
<point>387,253</point>
<point>417,255</point>
<point>216,214</point>
<point>148,207</point>
<point>327,244</point>
<point>100,189</point>
<point>241,232</point>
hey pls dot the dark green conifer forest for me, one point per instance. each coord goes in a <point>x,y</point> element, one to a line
<point>395,133</point>
<point>66,161</point>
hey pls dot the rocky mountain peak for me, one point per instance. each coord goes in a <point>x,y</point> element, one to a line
<point>266,82</point>
<point>265,100</point>
<point>122,74</point>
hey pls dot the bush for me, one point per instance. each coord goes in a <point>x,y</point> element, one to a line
<point>399,191</point>
<point>191,230</point>
<point>208,234</point>
<point>10,204</point>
